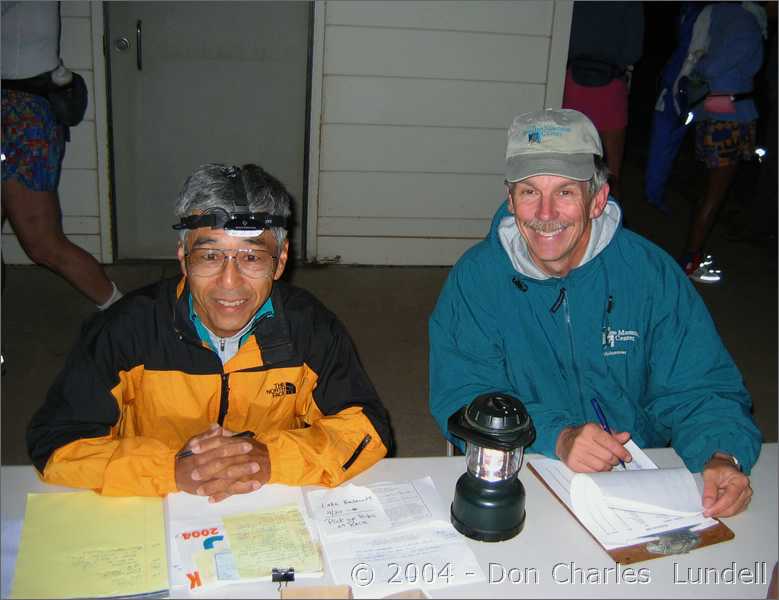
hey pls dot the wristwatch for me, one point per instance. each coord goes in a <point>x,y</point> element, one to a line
<point>729,457</point>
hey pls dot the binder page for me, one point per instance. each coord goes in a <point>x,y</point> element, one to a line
<point>661,491</point>
<point>90,546</point>
<point>558,477</point>
<point>616,527</point>
<point>203,537</point>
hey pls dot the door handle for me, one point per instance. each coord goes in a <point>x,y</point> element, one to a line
<point>139,44</point>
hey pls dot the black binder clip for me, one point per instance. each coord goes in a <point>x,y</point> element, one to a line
<point>282,575</point>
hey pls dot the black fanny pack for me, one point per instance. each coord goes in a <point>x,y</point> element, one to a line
<point>590,72</point>
<point>68,102</point>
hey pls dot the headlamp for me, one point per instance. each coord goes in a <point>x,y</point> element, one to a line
<point>218,218</point>
<point>240,222</point>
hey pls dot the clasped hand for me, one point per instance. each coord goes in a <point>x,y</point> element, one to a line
<point>222,465</point>
<point>588,448</point>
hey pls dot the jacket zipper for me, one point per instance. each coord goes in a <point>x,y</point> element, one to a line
<point>224,398</point>
<point>224,395</point>
<point>572,346</point>
<point>365,441</point>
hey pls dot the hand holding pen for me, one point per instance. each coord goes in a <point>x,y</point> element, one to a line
<point>603,422</point>
<point>592,447</point>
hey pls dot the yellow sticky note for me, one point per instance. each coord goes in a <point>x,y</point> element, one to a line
<point>273,538</point>
<point>84,545</point>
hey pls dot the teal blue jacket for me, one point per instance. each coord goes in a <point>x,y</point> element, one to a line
<point>625,327</point>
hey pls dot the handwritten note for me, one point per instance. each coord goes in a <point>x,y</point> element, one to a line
<point>402,538</point>
<point>348,509</point>
<point>90,546</point>
<point>274,538</point>
<point>430,556</point>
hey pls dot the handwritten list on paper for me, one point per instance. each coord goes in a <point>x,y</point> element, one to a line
<point>90,546</point>
<point>263,540</point>
<point>348,509</point>
<point>403,539</point>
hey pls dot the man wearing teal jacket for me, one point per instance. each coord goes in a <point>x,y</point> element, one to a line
<point>560,305</point>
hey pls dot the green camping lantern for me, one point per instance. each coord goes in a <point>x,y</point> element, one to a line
<point>489,500</point>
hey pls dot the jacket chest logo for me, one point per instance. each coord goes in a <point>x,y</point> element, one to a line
<point>617,341</point>
<point>277,390</point>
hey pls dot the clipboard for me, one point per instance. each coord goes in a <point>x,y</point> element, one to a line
<point>673,542</point>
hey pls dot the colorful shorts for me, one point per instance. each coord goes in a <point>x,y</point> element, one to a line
<point>33,143</point>
<point>723,143</point>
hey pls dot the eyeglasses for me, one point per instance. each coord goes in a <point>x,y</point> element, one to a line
<point>252,262</point>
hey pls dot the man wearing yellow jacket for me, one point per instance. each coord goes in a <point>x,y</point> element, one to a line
<point>220,381</point>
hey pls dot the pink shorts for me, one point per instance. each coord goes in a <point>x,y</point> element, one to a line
<point>606,105</point>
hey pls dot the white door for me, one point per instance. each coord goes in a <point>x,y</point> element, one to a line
<point>198,82</point>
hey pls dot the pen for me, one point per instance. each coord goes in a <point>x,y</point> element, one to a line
<point>603,422</point>
<point>243,434</point>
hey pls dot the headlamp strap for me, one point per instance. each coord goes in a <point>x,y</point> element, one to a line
<point>240,221</point>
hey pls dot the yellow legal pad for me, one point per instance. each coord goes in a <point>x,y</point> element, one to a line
<point>84,545</point>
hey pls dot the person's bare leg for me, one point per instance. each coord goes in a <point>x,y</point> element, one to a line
<point>718,182</point>
<point>36,221</point>
<point>614,148</point>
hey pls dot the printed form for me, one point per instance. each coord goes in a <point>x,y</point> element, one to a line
<point>399,538</point>
<point>628,506</point>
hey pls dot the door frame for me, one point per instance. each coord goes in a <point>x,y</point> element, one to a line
<point>101,37</point>
<point>100,101</point>
<point>316,78</point>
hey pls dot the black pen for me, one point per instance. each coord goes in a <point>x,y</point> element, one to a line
<point>243,434</point>
<point>603,423</point>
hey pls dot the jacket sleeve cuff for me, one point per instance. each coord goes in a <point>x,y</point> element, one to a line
<point>547,434</point>
<point>744,454</point>
<point>286,461</point>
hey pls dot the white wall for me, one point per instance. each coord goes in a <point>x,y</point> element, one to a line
<point>408,148</point>
<point>410,105</point>
<point>83,188</point>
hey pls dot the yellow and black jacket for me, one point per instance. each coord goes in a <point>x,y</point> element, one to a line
<point>140,383</point>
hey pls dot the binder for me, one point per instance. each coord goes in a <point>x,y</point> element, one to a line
<point>666,544</point>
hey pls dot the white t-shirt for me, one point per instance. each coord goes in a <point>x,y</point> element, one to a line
<point>30,45</point>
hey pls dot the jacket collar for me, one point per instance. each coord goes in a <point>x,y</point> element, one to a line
<point>272,332</point>
<point>504,230</point>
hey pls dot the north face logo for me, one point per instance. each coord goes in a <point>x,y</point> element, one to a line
<point>281,389</point>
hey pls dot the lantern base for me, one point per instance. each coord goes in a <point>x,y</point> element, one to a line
<point>488,511</point>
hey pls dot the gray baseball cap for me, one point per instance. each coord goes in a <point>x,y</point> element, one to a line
<point>552,142</point>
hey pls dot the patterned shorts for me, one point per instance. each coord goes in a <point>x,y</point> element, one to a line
<point>33,142</point>
<point>723,143</point>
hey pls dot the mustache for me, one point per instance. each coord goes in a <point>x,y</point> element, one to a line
<point>546,226</point>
